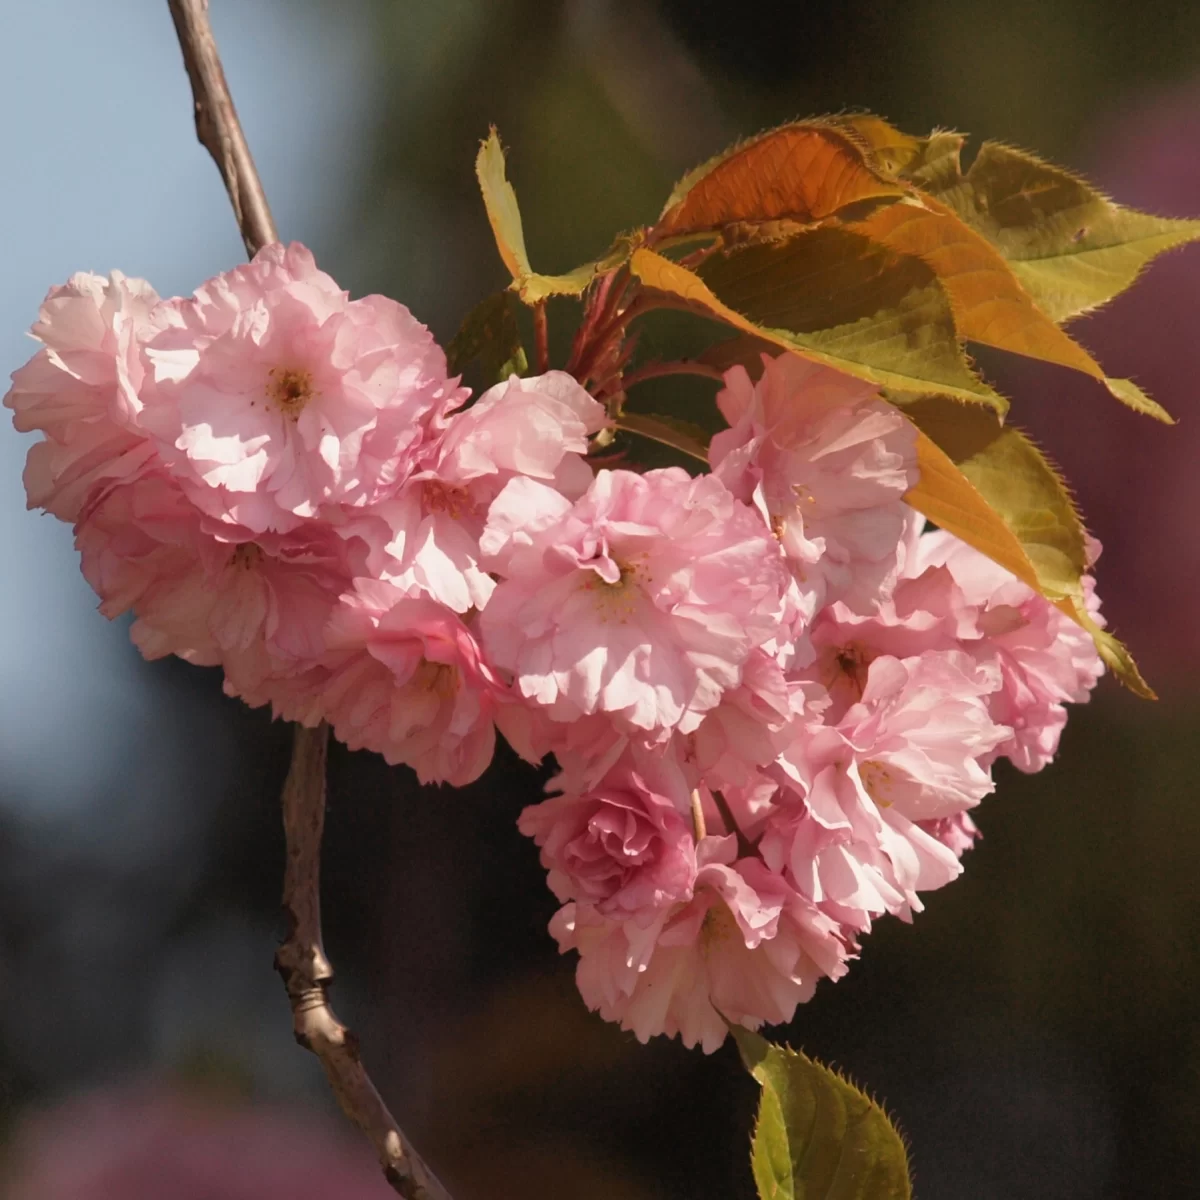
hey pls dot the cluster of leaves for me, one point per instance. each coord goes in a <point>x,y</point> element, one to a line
<point>845,241</point>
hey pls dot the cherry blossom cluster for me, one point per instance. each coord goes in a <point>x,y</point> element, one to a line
<point>772,697</point>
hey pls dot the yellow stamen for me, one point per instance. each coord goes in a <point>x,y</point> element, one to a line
<point>290,389</point>
<point>617,601</point>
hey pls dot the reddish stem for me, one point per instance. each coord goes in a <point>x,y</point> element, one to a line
<point>601,341</point>
<point>541,338</point>
<point>657,370</point>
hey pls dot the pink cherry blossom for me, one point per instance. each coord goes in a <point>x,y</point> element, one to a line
<point>277,398</point>
<point>408,679</point>
<point>621,847</point>
<point>643,599</point>
<point>536,427</point>
<point>429,533</point>
<point>827,462</point>
<point>1045,659</point>
<point>749,728</point>
<point>919,616</point>
<point>81,389</point>
<point>140,549</point>
<point>957,832</point>
<point>206,591</point>
<point>951,596</point>
<point>746,948</point>
<point>856,795</point>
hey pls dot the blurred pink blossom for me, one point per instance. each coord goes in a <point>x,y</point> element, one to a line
<point>152,1143</point>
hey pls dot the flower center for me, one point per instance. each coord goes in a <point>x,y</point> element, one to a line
<point>439,678</point>
<point>246,557</point>
<point>290,389</point>
<point>851,663</point>
<point>616,601</point>
<point>718,927</point>
<point>877,779</point>
<point>803,495</point>
<point>455,502</point>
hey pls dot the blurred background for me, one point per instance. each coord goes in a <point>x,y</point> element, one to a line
<point>1035,1032</point>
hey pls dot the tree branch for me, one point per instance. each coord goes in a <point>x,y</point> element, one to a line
<point>217,124</point>
<point>307,974</point>
<point>301,959</point>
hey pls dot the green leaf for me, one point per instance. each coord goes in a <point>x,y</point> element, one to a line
<point>500,200</point>
<point>1006,238</point>
<point>489,333</point>
<point>989,303</point>
<point>989,485</point>
<point>817,1136</point>
<point>929,162</point>
<point>683,436</point>
<point>1114,655</point>
<point>1070,245</point>
<point>504,215</point>
<point>888,349</point>
<point>837,297</point>
<point>1017,481</point>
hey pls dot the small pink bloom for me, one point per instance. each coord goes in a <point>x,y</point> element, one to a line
<point>426,539</point>
<point>429,533</point>
<point>278,398</point>
<point>621,847</point>
<point>828,463</point>
<point>1045,659</point>
<point>920,727</point>
<point>747,948</point>
<point>922,615</point>
<point>958,832</point>
<point>748,729</point>
<point>206,591</point>
<point>522,427</point>
<point>643,599</point>
<point>857,795</point>
<point>81,390</point>
<point>407,679</point>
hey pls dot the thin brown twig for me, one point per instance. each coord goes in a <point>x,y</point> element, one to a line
<point>307,974</point>
<point>301,960</point>
<point>217,124</point>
